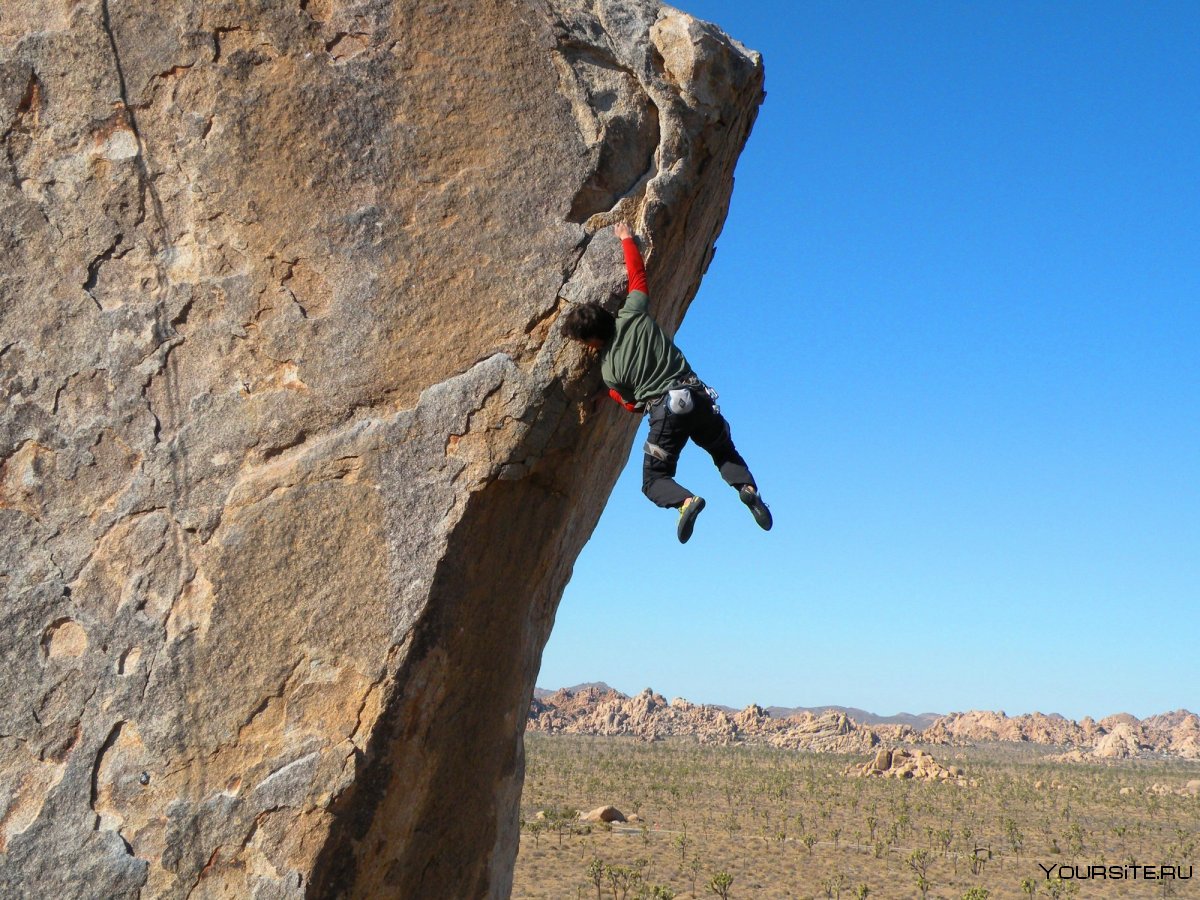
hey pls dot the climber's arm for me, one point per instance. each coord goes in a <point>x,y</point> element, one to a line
<point>627,404</point>
<point>604,392</point>
<point>635,269</point>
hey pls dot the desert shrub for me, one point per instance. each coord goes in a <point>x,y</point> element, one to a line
<point>1059,888</point>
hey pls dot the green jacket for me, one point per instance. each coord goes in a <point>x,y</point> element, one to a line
<point>641,362</point>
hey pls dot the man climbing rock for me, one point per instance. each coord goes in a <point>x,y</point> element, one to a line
<point>645,372</point>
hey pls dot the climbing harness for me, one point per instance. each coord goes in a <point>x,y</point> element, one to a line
<point>657,452</point>
<point>680,400</point>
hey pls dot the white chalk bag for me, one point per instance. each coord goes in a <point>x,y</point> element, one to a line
<point>680,402</point>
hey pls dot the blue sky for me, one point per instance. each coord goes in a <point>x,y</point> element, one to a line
<point>954,318</point>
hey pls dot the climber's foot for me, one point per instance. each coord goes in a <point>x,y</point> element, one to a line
<point>749,495</point>
<point>687,517</point>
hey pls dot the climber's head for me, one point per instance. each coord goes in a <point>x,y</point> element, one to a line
<point>589,323</point>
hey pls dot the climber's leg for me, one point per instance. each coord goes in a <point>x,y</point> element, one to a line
<point>668,435</point>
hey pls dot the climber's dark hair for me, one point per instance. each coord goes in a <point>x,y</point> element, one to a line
<point>585,321</point>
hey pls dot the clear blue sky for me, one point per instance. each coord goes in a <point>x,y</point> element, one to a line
<point>954,318</point>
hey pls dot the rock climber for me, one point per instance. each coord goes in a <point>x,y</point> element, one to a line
<point>645,372</point>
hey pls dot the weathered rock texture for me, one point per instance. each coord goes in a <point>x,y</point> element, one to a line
<point>295,463</point>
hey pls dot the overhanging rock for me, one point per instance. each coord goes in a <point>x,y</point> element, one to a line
<point>295,463</point>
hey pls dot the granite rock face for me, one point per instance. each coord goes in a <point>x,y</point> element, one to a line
<point>294,463</point>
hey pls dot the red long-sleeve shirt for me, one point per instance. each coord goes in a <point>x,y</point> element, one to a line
<point>635,271</point>
<point>634,266</point>
<point>641,361</point>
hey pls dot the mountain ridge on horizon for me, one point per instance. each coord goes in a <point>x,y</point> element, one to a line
<point>595,708</point>
<point>917,721</point>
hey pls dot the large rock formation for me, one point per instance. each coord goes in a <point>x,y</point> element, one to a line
<point>1114,737</point>
<point>598,709</point>
<point>900,762</point>
<point>980,726</point>
<point>649,717</point>
<point>295,463</point>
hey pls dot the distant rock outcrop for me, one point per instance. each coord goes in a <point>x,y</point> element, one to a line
<point>1176,733</point>
<point>899,762</point>
<point>1115,737</point>
<point>605,711</point>
<point>294,463</point>
<point>648,716</point>
<point>1120,743</point>
<point>603,814</point>
<point>1190,789</point>
<point>981,726</point>
<point>917,722</point>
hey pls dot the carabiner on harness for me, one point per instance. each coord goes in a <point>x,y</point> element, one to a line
<point>713,395</point>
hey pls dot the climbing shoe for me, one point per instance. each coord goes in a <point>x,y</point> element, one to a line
<point>750,497</point>
<point>687,517</point>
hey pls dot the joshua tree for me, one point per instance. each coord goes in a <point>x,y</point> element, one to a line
<point>621,879</point>
<point>595,874</point>
<point>1015,839</point>
<point>945,837</point>
<point>976,893</point>
<point>732,825</point>
<point>861,892</point>
<point>682,841</point>
<point>1075,838</point>
<point>720,883</point>
<point>535,828</point>
<point>1187,842</point>
<point>979,858</point>
<point>918,861</point>
<point>694,872</point>
<point>1029,886</point>
<point>837,883</point>
<point>562,820</point>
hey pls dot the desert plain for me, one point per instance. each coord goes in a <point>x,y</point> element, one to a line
<point>737,819</point>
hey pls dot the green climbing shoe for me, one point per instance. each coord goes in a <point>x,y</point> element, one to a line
<point>687,517</point>
<point>749,495</point>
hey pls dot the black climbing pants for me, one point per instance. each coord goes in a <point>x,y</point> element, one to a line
<point>669,433</point>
